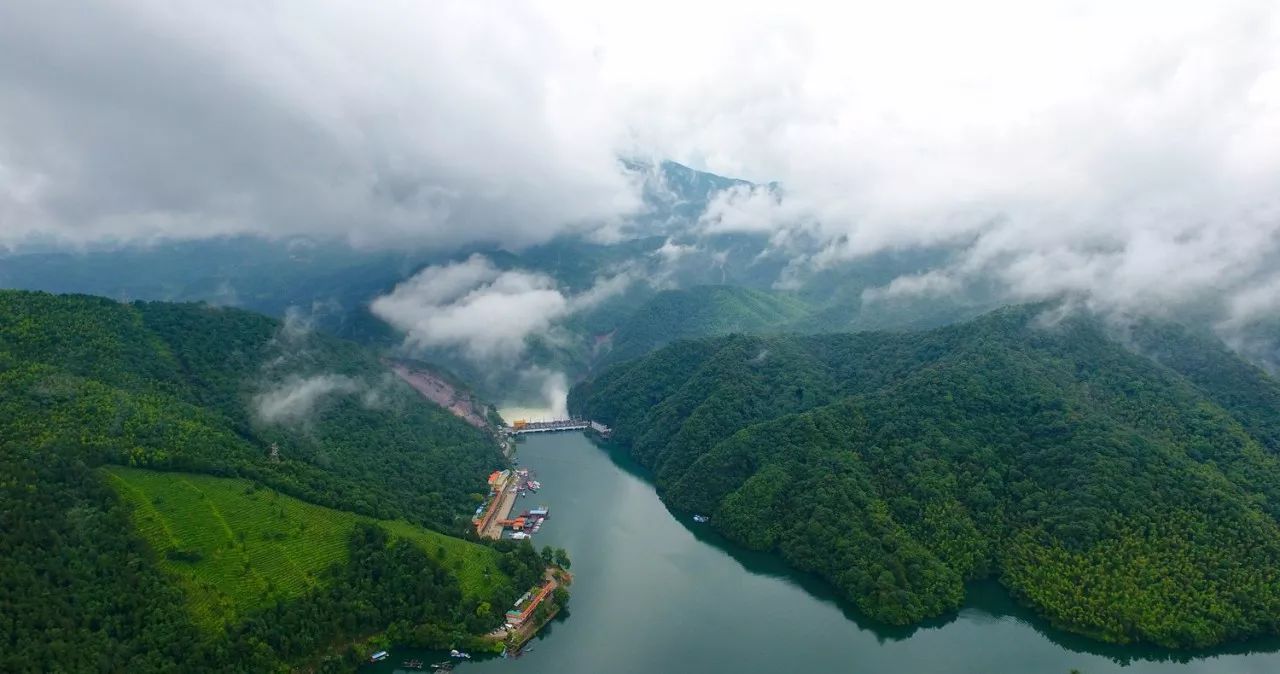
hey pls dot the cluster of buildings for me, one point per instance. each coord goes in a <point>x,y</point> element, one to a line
<point>492,517</point>
<point>502,494</point>
<point>527,604</point>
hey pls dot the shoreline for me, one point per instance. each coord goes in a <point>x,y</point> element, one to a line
<point>520,635</point>
<point>504,499</point>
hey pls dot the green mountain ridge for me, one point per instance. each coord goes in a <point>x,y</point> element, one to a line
<point>175,386</point>
<point>184,487</point>
<point>700,311</point>
<point>1125,497</point>
<point>333,283</point>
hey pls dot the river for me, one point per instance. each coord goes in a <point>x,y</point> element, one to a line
<point>656,593</point>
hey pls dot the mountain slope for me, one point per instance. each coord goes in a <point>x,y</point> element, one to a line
<point>334,283</point>
<point>235,547</point>
<point>83,590</point>
<point>105,566</point>
<point>700,311</point>
<point>190,387</point>
<point>1120,498</point>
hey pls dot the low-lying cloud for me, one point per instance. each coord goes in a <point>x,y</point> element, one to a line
<point>292,384</point>
<point>1141,174</point>
<point>485,313</point>
<point>296,398</point>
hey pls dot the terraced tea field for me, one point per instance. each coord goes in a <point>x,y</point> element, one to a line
<point>234,547</point>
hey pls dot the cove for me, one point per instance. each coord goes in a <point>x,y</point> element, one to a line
<point>654,592</point>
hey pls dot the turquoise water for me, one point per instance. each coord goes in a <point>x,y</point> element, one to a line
<point>657,593</point>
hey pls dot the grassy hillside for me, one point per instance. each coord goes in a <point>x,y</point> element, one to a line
<point>1122,497</point>
<point>235,547</point>
<point>123,569</point>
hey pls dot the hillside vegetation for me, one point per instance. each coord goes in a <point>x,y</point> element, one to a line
<point>236,547</point>
<point>1124,496</point>
<point>701,311</point>
<point>184,387</point>
<point>185,488</point>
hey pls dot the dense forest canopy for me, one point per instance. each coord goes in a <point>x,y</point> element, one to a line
<point>193,387</point>
<point>295,529</point>
<point>1128,492</point>
<point>700,311</point>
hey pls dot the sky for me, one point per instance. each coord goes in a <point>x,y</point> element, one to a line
<point>1128,152</point>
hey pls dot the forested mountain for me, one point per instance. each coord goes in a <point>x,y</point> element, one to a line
<point>319,470</point>
<point>335,281</point>
<point>331,281</point>
<point>700,311</point>
<point>1126,495</point>
<point>192,387</point>
<point>665,245</point>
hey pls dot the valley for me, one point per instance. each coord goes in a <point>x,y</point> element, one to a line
<point>266,498</point>
<point>877,462</point>
<point>1109,492</point>
<point>639,338</point>
<point>655,591</point>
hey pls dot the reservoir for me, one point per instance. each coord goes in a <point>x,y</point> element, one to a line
<point>654,592</point>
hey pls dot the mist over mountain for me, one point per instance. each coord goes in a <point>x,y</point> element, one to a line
<point>911,296</point>
<point>515,317</point>
<point>507,317</point>
<point>1138,178</point>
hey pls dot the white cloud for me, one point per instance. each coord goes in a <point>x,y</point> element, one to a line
<point>485,313</point>
<point>748,209</point>
<point>928,284</point>
<point>294,399</point>
<point>436,123</point>
<point>604,288</point>
<point>1127,152</point>
<point>1246,305</point>
<point>670,251</point>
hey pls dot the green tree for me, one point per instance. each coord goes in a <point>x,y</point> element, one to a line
<point>561,558</point>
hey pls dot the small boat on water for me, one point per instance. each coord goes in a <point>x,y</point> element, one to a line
<point>701,518</point>
<point>459,654</point>
<point>379,656</point>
